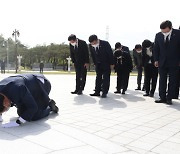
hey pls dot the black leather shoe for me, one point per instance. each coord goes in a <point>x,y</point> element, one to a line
<point>74,92</point>
<point>169,102</point>
<point>79,92</point>
<point>53,107</point>
<point>138,88</point>
<point>95,94</point>
<point>151,95</point>
<point>95,90</point>
<point>146,94</point>
<point>117,92</point>
<point>104,95</point>
<point>123,92</point>
<point>160,101</point>
<point>143,89</point>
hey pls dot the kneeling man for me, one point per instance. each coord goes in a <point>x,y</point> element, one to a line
<point>29,93</point>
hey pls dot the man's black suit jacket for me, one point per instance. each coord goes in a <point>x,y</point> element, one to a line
<point>167,55</point>
<point>81,54</point>
<point>103,56</point>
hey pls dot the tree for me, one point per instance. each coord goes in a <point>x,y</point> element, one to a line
<point>53,53</point>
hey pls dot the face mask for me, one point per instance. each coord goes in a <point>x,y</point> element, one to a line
<point>166,34</point>
<point>73,44</point>
<point>139,51</point>
<point>95,45</point>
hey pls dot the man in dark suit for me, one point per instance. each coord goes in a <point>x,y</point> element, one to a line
<point>41,66</point>
<point>80,57</point>
<point>3,67</point>
<point>124,48</point>
<point>150,71</point>
<point>123,67</point>
<point>102,56</point>
<point>29,93</point>
<point>178,83</point>
<point>167,59</point>
<point>137,56</point>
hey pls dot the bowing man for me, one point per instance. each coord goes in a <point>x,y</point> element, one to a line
<point>29,93</point>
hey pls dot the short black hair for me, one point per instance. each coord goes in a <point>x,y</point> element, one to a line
<point>72,37</point>
<point>117,45</point>
<point>1,103</point>
<point>146,43</point>
<point>166,24</point>
<point>93,38</point>
<point>138,46</point>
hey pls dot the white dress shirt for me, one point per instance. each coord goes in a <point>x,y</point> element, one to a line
<point>169,36</point>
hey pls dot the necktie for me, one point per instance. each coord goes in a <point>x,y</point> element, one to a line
<point>75,48</point>
<point>97,49</point>
<point>167,41</point>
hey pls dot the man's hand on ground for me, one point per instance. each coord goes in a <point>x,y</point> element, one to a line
<point>10,124</point>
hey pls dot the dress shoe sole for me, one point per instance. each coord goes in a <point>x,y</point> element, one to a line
<point>56,109</point>
<point>145,95</point>
<point>73,93</point>
<point>53,106</point>
<point>169,103</point>
<point>103,96</point>
<point>160,101</point>
<point>95,95</point>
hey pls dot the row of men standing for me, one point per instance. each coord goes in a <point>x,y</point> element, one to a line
<point>102,57</point>
<point>163,58</point>
<point>104,61</point>
<point>144,59</point>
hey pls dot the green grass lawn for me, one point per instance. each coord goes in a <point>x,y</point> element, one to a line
<point>62,72</point>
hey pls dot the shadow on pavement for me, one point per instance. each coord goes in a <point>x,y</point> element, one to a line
<point>176,104</point>
<point>111,102</point>
<point>135,92</point>
<point>28,129</point>
<point>131,96</point>
<point>84,99</point>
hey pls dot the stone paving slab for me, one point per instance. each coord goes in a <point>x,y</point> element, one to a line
<point>119,124</point>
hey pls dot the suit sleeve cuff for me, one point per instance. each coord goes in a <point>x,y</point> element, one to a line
<point>22,120</point>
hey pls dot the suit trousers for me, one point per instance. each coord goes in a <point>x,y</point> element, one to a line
<point>139,77</point>
<point>177,85</point>
<point>102,78</point>
<point>81,73</point>
<point>151,73</point>
<point>165,73</point>
<point>122,80</point>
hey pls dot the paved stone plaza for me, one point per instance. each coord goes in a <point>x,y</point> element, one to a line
<point>119,124</point>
